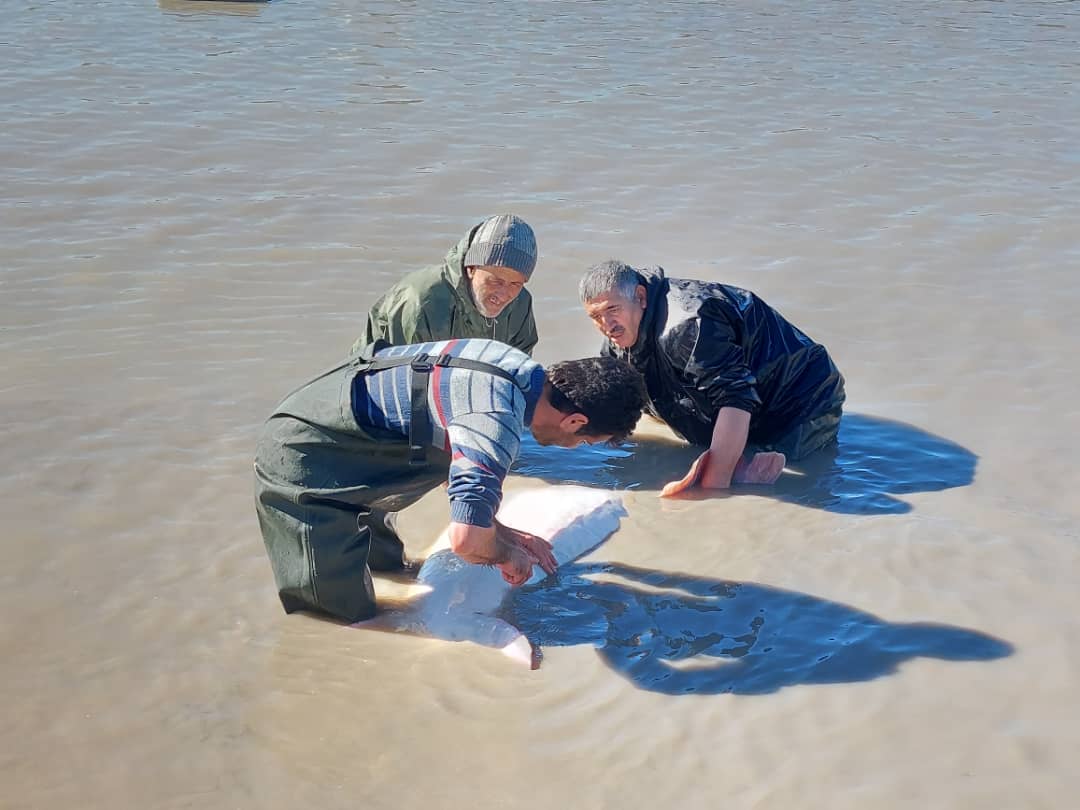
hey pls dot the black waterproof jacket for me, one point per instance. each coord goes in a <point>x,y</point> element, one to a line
<point>703,346</point>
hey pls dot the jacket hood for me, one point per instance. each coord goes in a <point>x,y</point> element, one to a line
<point>453,271</point>
<point>655,314</point>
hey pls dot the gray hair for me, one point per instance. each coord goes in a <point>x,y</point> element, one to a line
<point>606,277</point>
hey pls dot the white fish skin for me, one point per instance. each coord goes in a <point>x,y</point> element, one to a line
<point>458,601</point>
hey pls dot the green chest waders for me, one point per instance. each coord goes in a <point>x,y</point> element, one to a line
<point>326,487</point>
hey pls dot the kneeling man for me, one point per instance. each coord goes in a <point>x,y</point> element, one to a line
<point>722,368</point>
<point>343,453</point>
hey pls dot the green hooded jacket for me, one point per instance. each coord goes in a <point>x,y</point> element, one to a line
<point>435,304</point>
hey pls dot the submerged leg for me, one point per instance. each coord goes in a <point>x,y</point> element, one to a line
<point>387,552</point>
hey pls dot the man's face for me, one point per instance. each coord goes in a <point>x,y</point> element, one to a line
<point>494,287</point>
<point>616,317</point>
<point>564,434</point>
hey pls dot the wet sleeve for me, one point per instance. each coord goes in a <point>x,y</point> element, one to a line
<point>482,448</point>
<point>717,364</point>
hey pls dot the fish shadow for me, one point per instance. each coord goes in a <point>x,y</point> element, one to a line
<point>679,634</point>
<point>873,461</point>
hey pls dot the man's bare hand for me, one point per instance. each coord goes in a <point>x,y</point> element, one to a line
<point>761,468</point>
<point>541,552</point>
<point>688,481</point>
<point>537,548</point>
<point>518,568</point>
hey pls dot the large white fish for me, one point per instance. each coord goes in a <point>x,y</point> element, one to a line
<point>459,601</point>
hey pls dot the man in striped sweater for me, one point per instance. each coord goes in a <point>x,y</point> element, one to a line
<point>345,452</point>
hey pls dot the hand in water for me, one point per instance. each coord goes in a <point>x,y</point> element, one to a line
<point>762,468</point>
<point>692,477</point>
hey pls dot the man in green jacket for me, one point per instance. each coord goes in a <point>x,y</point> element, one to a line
<point>477,292</point>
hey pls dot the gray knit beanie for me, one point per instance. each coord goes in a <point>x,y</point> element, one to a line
<point>504,241</point>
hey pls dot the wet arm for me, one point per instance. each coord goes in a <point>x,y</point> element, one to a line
<point>483,445</point>
<point>726,448</point>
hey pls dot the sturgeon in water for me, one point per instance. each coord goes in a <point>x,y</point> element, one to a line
<point>459,601</point>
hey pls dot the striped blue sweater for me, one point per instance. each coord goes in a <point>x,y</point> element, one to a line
<point>476,417</point>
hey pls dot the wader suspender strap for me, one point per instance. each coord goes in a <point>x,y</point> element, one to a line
<point>420,431</point>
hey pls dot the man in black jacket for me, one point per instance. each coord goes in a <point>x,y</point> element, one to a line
<point>723,369</point>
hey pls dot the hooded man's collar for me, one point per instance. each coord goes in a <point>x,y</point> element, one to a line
<point>655,314</point>
<point>453,273</point>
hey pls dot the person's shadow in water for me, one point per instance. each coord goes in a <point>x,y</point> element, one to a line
<point>873,460</point>
<point>677,634</point>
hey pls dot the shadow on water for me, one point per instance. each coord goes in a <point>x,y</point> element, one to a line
<point>588,465</point>
<point>678,634</point>
<point>873,460</point>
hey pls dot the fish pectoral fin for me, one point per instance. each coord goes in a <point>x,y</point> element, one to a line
<point>521,651</point>
<point>491,631</point>
<point>511,642</point>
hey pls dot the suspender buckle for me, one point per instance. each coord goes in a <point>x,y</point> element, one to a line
<point>422,364</point>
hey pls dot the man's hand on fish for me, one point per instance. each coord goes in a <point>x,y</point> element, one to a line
<point>536,548</point>
<point>517,569</point>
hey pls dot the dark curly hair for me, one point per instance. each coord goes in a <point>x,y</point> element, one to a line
<point>605,389</point>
